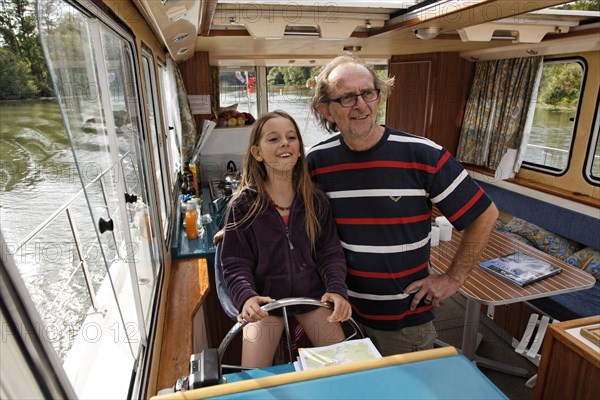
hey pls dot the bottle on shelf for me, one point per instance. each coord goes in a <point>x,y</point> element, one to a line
<point>185,183</point>
<point>191,220</point>
<point>194,174</point>
<point>190,185</point>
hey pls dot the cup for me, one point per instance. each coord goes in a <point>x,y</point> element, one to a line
<point>435,236</point>
<point>445,232</point>
<point>441,220</point>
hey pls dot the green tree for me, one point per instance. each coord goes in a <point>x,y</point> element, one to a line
<point>560,84</point>
<point>15,80</point>
<point>294,76</point>
<point>19,33</point>
<point>586,5</point>
<point>275,76</point>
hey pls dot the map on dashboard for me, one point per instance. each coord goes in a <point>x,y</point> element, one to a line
<point>335,354</point>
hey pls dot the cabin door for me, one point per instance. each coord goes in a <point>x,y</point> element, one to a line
<point>96,77</point>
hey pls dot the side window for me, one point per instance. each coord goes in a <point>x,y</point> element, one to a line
<point>592,165</point>
<point>555,117</point>
<point>156,135</point>
<point>170,110</point>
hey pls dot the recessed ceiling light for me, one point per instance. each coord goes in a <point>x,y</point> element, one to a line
<point>180,38</point>
<point>532,52</point>
<point>427,33</point>
<point>176,13</point>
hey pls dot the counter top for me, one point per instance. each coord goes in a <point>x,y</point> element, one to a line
<point>181,246</point>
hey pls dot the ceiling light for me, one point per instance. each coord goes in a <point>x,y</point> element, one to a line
<point>180,38</point>
<point>182,51</point>
<point>163,1</point>
<point>176,13</point>
<point>532,52</point>
<point>427,33</point>
<point>292,61</point>
<point>354,49</point>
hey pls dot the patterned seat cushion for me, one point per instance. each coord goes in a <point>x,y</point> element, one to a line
<point>588,260</point>
<point>540,238</point>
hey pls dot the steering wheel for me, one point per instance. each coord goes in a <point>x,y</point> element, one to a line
<point>355,331</point>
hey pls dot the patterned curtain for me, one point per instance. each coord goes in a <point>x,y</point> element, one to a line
<point>497,109</point>
<point>189,134</point>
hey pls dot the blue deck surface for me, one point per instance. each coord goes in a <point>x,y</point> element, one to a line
<point>452,377</point>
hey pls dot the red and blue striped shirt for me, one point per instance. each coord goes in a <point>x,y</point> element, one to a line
<point>382,200</point>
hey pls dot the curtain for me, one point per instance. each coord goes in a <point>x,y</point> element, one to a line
<point>189,134</point>
<point>497,109</point>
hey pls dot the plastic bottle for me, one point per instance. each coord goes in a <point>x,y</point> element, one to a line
<point>192,168</point>
<point>185,182</point>
<point>191,218</point>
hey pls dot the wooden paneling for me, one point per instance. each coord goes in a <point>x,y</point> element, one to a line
<point>430,96</point>
<point>569,369</point>
<point>195,73</point>
<point>407,107</point>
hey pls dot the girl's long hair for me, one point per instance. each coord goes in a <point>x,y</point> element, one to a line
<point>254,175</point>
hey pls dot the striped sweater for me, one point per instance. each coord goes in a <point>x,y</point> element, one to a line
<point>382,200</point>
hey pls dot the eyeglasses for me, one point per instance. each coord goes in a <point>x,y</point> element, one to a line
<point>350,100</point>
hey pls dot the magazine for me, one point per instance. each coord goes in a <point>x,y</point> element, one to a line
<point>519,268</point>
<point>335,354</point>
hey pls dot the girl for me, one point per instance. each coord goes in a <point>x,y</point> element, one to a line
<point>280,241</point>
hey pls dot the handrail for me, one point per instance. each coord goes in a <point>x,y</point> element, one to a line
<point>537,146</point>
<point>66,208</point>
<point>34,232</point>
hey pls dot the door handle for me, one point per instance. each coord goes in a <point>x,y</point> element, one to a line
<point>105,225</point>
<point>130,198</point>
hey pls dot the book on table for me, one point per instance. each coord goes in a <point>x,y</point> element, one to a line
<point>335,354</point>
<point>519,268</point>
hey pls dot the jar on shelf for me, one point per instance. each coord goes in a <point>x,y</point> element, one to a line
<point>191,220</point>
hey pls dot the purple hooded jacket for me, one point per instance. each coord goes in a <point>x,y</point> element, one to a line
<point>266,258</point>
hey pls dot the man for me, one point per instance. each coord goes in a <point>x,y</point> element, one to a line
<point>382,184</point>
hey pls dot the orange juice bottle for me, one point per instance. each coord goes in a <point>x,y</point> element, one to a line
<point>191,224</point>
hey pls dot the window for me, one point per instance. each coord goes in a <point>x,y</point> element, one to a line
<point>156,136</point>
<point>291,88</point>
<point>168,87</point>
<point>555,116</point>
<point>108,278</point>
<point>592,165</point>
<point>238,89</point>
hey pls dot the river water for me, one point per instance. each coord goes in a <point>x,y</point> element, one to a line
<point>38,175</point>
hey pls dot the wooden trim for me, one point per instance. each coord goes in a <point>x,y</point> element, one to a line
<point>301,376</point>
<point>559,330</point>
<point>187,290</point>
<point>565,194</point>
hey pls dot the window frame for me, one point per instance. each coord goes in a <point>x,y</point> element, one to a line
<point>550,170</point>
<point>591,147</point>
<point>164,192</point>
